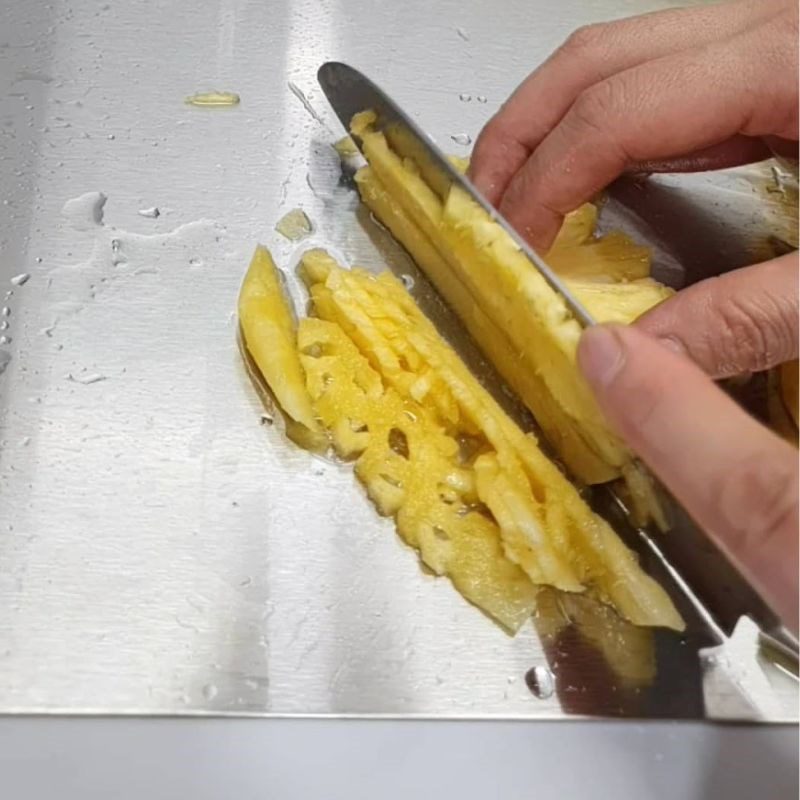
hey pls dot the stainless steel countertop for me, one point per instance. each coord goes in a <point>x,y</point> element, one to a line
<point>88,759</point>
<point>161,551</point>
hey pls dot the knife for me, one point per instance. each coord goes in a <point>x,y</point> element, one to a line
<point>711,583</point>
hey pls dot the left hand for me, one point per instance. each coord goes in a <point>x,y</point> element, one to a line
<point>742,321</point>
<point>736,478</point>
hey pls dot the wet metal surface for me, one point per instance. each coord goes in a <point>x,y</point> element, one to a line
<point>163,548</point>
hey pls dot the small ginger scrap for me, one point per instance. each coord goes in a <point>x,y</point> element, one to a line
<point>213,99</point>
<point>294,225</point>
<point>346,147</point>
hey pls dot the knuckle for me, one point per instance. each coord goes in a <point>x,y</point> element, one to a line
<point>753,336</point>
<point>498,138</point>
<point>596,105</point>
<point>757,500</point>
<point>585,39</point>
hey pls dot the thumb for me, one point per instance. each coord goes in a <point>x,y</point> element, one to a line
<point>737,479</point>
<point>743,321</point>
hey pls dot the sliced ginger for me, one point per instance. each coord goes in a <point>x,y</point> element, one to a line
<point>520,322</point>
<point>408,465</point>
<point>268,329</point>
<point>466,486</point>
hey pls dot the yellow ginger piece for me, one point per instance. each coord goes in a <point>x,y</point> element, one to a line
<point>269,333</point>
<point>619,302</point>
<point>408,464</point>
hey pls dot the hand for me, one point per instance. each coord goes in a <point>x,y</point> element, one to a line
<point>677,90</point>
<point>737,479</point>
<point>743,321</point>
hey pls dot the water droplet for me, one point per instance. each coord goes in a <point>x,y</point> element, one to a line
<point>5,311</point>
<point>377,222</point>
<point>210,691</point>
<point>407,281</point>
<point>86,378</point>
<point>38,259</point>
<point>26,440</point>
<point>462,34</point>
<point>150,213</point>
<point>465,97</point>
<point>541,681</point>
<point>116,256</point>
<point>481,98</point>
<point>5,339</point>
<point>86,211</point>
<point>462,138</point>
<point>195,262</point>
<point>21,279</point>
<point>4,325</point>
<point>5,357</point>
<point>111,137</point>
<point>298,93</point>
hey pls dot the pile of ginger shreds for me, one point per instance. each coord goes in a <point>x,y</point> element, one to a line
<point>367,374</point>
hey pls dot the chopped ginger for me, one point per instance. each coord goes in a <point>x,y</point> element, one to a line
<point>522,325</point>
<point>346,147</point>
<point>268,329</point>
<point>436,451</point>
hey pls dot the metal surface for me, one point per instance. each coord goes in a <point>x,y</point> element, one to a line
<point>162,551</point>
<point>164,759</point>
<point>716,587</point>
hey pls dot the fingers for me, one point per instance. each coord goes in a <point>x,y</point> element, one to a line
<point>744,321</point>
<point>738,480</point>
<point>589,56</point>
<point>661,109</point>
<point>736,151</point>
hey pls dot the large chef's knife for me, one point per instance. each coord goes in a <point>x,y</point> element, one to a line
<point>712,584</point>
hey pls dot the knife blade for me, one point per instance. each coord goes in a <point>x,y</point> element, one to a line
<point>349,92</point>
<point>706,577</point>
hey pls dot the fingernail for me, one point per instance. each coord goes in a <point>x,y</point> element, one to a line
<point>600,355</point>
<point>672,344</point>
